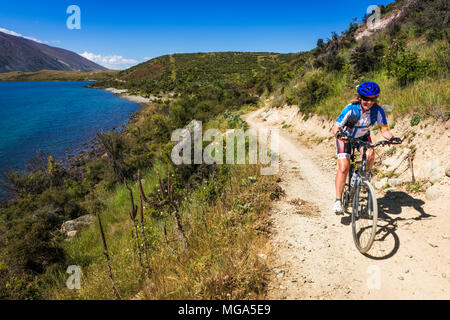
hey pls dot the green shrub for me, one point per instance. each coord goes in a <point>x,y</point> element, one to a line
<point>387,174</point>
<point>408,67</point>
<point>313,91</point>
<point>432,19</point>
<point>404,64</point>
<point>42,172</point>
<point>334,62</point>
<point>415,120</point>
<point>366,57</point>
<point>414,187</point>
<point>291,101</point>
<point>234,120</point>
<point>19,287</point>
<point>391,151</point>
<point>115,145</point>
<point>442,57</point>
<point>158,127</point>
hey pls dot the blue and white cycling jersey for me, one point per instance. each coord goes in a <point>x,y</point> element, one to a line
<point>366,119</point>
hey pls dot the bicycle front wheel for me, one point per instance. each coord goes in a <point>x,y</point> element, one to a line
<point>345,198</point>
<point>364,216</point>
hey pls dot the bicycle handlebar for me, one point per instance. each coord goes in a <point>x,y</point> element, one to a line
<point>366,144</point>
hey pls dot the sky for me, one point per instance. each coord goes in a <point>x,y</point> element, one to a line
<point>119,34</point>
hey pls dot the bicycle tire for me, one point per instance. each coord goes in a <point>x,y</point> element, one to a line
<point>358,215</point>
<point>345,197</point>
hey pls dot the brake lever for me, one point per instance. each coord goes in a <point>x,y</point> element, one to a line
<point>341,136</point>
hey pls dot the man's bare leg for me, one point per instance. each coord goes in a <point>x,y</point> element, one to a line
<point>341,176</point>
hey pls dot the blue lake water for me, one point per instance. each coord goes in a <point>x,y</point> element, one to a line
<point>54,117</point>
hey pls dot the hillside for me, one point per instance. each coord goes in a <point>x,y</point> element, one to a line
<point>182,73</point>
<point>20,54</point>
<point>407,55</point>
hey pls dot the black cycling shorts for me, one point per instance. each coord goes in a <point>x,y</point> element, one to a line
<point>344,148</point>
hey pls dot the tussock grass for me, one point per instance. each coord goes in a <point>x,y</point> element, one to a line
<point>426,96</point>
<point>224,236</point>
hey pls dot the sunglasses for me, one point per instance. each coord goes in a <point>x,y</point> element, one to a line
<point>368,99</point>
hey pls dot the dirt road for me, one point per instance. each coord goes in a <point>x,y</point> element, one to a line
<point>312,252</point>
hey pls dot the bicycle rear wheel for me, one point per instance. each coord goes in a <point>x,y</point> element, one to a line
<point>364,216</point>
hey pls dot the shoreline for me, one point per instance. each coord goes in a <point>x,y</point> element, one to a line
<point>78,155</point>
<point>122,93</point>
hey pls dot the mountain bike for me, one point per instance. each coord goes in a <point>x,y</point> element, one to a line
<point>360,193</point>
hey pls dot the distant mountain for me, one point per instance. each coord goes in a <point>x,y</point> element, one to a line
<point>20,54</point>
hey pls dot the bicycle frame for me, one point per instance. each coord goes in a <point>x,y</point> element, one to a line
<point>362,172</point>
<point>352,194</point>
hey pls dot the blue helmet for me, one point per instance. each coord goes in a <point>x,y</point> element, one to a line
<point>368,89</point>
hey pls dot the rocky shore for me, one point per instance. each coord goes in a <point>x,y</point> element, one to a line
<point>76,158</point>
<point>122,93</point>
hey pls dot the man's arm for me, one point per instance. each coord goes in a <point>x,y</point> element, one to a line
<point>341,120</point>
<point>387,134</point>
<point>382,122</point>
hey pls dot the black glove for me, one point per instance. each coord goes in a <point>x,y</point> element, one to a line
<point>395,140</point>
<point>340,135</point>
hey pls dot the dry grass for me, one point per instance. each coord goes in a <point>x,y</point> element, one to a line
<point>426,96</point>
<point>225,238</point>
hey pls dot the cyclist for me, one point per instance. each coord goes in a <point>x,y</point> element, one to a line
<point>356,120</point>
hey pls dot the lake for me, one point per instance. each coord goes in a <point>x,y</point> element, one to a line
<point>54,117</point>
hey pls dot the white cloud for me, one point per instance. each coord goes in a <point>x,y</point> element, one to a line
<point>148,58</point>
<point>111,62</point>
<point>13,33</point>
